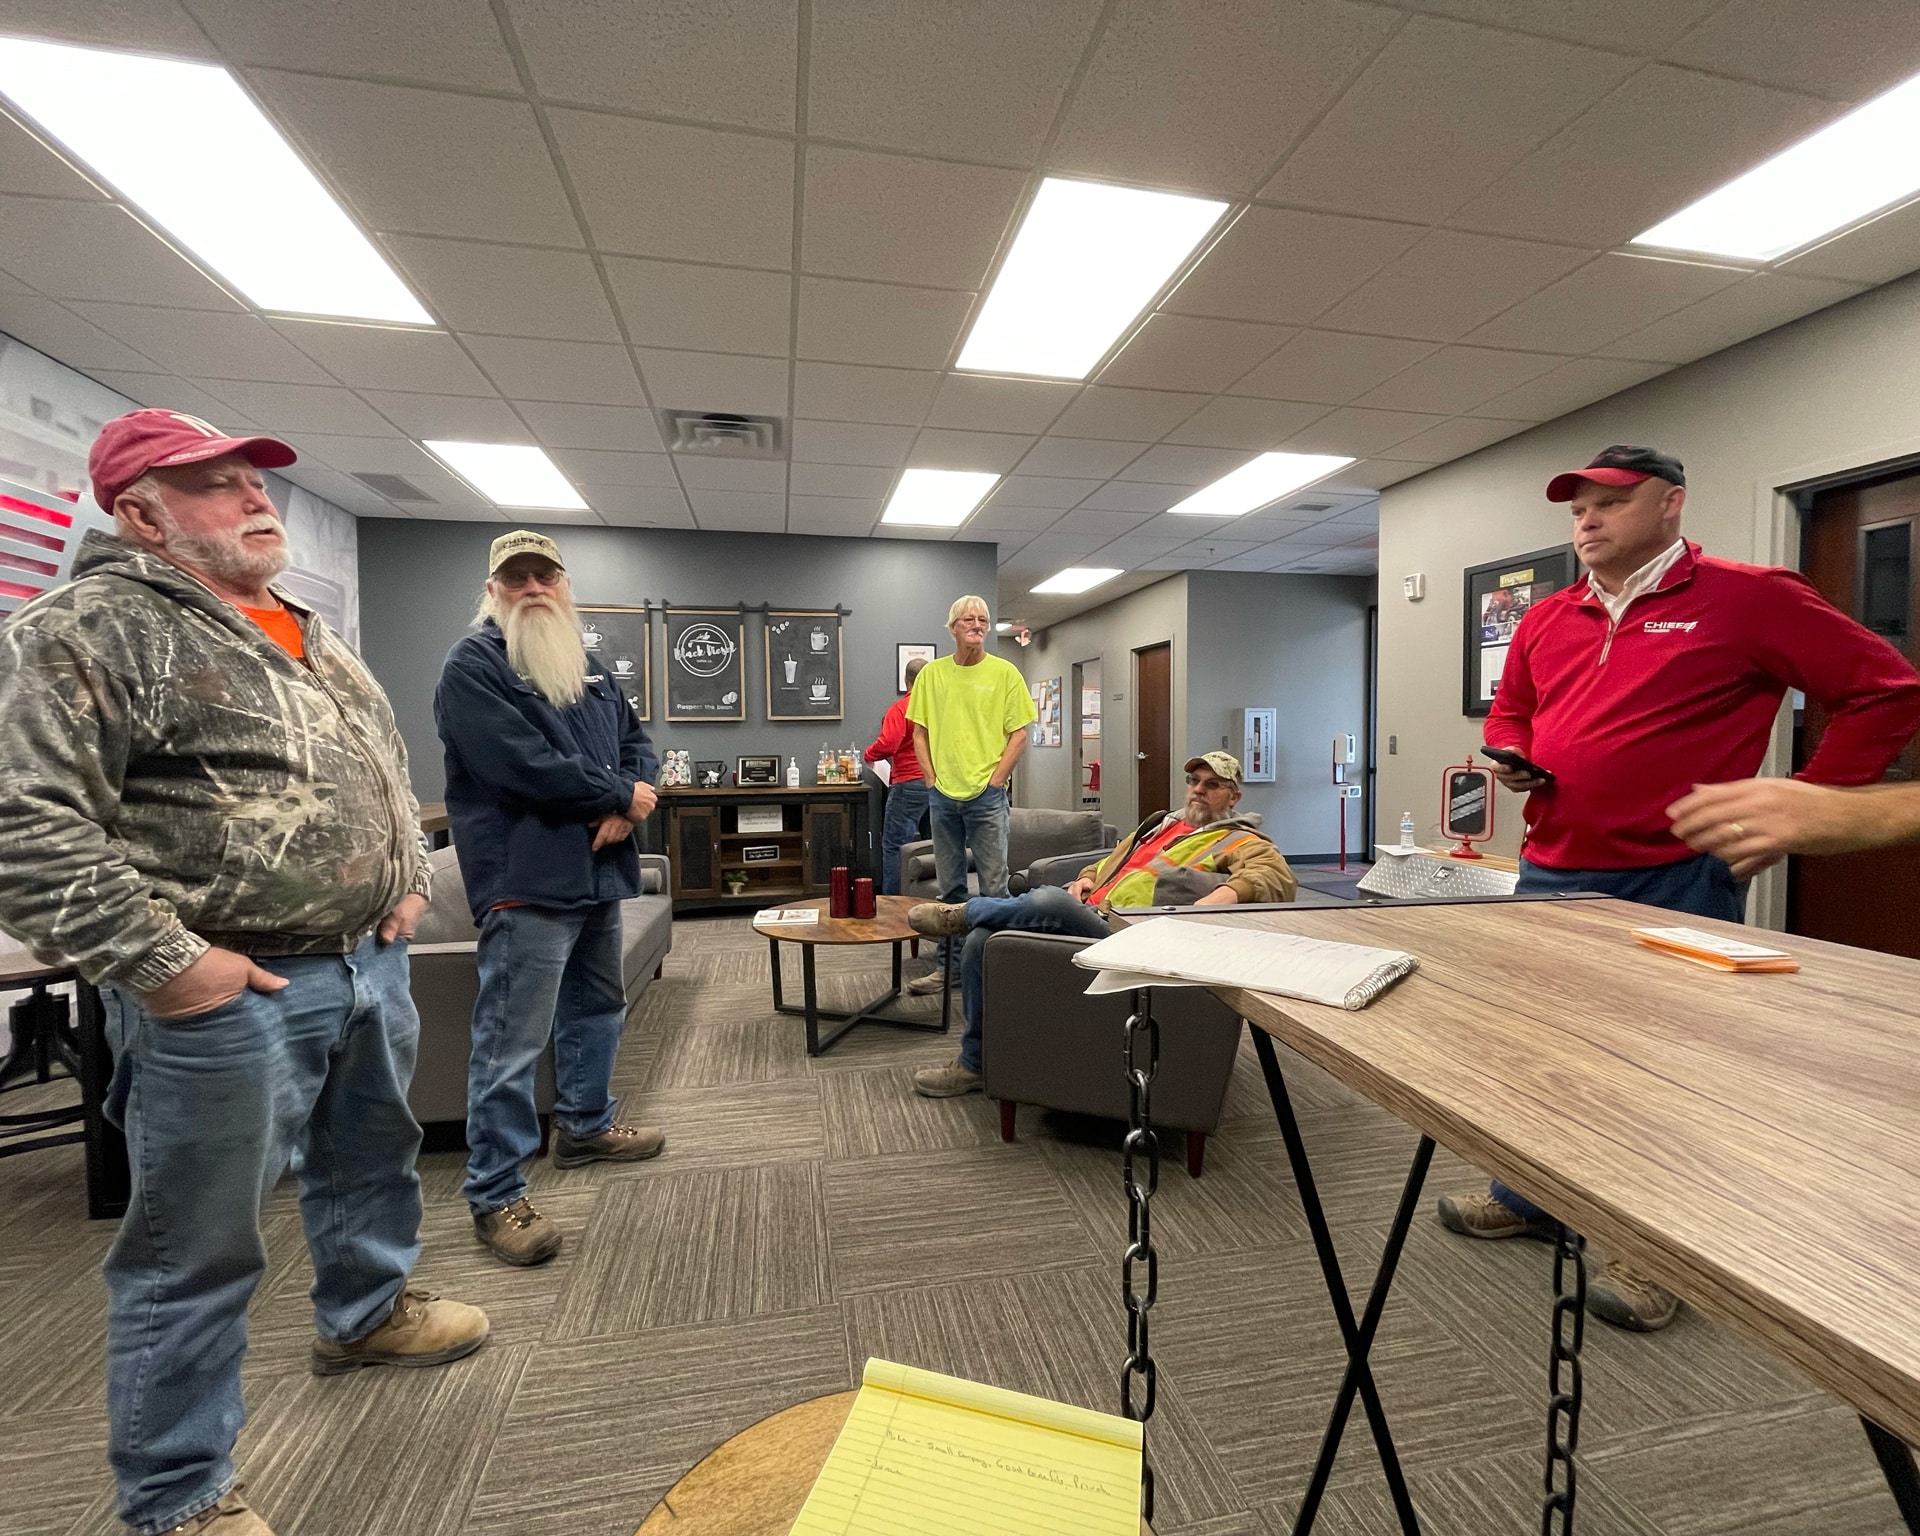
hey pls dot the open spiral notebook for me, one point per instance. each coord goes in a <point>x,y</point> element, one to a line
<point>1170,951</point>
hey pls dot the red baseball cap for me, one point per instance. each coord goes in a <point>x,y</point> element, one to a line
<point>1622,464</point>
<point>130,445</point>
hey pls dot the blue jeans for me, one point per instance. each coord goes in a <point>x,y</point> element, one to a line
<point>545,973</point>
<point>906,822</point>
<point>1702,886</point>
<point>212,1106</point>
<point>979,825</point>
<point>1046,910</point>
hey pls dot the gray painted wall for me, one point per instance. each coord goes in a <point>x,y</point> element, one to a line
<point>420,583</point>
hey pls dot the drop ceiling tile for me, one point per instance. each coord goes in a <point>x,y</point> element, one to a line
<point>1184,466</point>
<point>344,492</point>
<point>1188,353</point>
<point>388,455</point>
<point>1457,379</point>
<point>445,42</point>
<point>1376,474</point>
<point>161,390</point>
<point>1331,367</point>
<point>28,166</point>
<point>609,427</point>
<point>1878,252</point>
<point>1449,283</point>
<point>381,357</point>
<point>1360,433</point>
<point>850,392</point>
<point>648,506</point>
<point>1315,538</point>
<point>709,309</point>
<point>202,344</point>
<point>1135,496</point>
<point>1731,315</point>
<point>978,403</point>
<point>162,26</point>
<point>995,518</point>
<point>840,442</point>
<point>1651,24</point>
<point>64,336</point>
<point>944,448</point>
<point>602,466</point>
<point>1135,548</point>
<point>1049,491</point>
<point>1281,264</point>
<point>1602,302</point>
<point>1207,93</point>
<point>72,250</point>
<point>689,194</point>
<point>1457,438</point>
<point>290,409</point>
<point>831,515</point>
<point>448,493</point>
<point>1272,524</point>
<point>471,165</point>
<point>576,372</point>
<point>714,381</point>
<point>1251,425</point>
<point>1568,387</point>
<point>448,418</point>
<point>1846,50</point>
<point>494,515</point>
<point>741,511</point>
<point>982,80</point>
<point>1107,525</point>
<point>702,474</point>
<point>848,322</point>
<point>1258,560</point>
<point>645,517</point>
<point>1134,415</point>
<point>1661,140</point>
<point>898,219</point>
<point>1051,551</point>
<point>1398,143</point>
<point>1079,458</point>
<point>857,481</point>
<point>725,64</point>
<point>505,290</point>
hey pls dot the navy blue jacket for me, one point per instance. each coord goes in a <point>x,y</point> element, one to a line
<point>525,780</point>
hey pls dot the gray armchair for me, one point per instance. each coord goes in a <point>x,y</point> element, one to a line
<point>1033,835</point>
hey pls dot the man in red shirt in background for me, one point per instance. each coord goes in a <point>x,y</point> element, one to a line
<point>1661,670</point>
<point>906,819</point>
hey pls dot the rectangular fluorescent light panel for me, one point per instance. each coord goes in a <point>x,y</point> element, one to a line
<point>186,145</point>
<point>1259,483</point>
<point>937,498</point>
<point>510,475</point>
<point>1868,160</point>
<point>1088,258</point>
<point>1078,578</point>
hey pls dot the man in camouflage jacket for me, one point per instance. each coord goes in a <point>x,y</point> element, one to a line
<point>204,806</point>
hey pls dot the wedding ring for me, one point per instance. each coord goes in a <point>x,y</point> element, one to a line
<point>1736,829</point>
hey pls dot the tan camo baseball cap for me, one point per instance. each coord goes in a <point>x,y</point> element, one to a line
<point>522,541</point>
<point>1223,763</point>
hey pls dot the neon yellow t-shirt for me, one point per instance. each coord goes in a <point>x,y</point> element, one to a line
<point>969,713</point>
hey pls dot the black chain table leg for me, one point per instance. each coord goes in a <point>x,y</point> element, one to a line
<point>1563,1380</point>
<point>1143,1060</point>
<point>1896,1465</point>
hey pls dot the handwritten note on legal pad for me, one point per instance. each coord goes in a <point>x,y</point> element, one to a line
<point>1170,949</point>
<point>924,1454</point>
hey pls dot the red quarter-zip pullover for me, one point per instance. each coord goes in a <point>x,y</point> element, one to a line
<point>1683,691</point>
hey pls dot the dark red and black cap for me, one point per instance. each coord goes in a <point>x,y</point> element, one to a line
<point>1622,464</point>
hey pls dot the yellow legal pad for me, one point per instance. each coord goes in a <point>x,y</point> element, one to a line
<point>937,1456</point>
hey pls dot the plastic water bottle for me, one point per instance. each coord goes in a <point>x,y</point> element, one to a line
<point>1406,830</point>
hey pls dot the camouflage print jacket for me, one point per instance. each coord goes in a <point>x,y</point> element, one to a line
<point>171,778</point>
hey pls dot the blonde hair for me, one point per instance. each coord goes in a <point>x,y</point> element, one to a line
<point>962,604</point>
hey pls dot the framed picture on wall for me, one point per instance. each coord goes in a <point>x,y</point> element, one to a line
<point>706,664</point>
<point>910,652</point>
<point>804,669</point>
<point>619,642</point>
<point>1498,595</point>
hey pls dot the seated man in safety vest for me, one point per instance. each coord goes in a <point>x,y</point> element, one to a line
<point>1202,855</point>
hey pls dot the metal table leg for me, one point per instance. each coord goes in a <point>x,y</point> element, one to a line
<point>1896,1465</point>
<point>109,1178</point>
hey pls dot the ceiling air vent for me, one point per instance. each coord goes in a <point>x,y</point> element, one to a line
<point>723,434</point>
<point>1311,506</point>
<point>393,487</point>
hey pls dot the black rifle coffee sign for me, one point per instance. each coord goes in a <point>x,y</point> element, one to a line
<point>618,641</point>
<point>706,664</point>
<point>803,666</point>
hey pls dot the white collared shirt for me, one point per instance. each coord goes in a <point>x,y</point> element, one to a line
<point>1638,584</point>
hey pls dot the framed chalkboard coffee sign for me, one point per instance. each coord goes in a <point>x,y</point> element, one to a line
<point>619,643</point>
<point>705,664</point>
<point>803,665</point>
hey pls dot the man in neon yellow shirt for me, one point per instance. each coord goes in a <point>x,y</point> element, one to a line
<point>970,713</point>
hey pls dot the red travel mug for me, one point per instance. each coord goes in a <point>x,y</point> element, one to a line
<point>839,890</point>
<point>863,897</point>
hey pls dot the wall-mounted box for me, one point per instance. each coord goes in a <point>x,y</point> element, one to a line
<point>1256,728</point>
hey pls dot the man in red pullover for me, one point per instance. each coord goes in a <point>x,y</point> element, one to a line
<point>1664,668</point>
<point>906,817</point>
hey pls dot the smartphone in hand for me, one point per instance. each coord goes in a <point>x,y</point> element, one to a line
<point>1510,759</point>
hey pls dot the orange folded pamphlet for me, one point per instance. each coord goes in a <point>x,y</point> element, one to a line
<point>1710,949</point>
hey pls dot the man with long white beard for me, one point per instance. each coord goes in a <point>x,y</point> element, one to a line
<point>548,773</point>
<point>204,806</point>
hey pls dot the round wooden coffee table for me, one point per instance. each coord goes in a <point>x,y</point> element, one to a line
<point>888,925</point>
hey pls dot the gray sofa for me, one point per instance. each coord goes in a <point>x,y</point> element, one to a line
<point>446,981</point>
<point>1032,836</point>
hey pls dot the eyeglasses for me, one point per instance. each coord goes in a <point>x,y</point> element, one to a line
<point>519,576</point>
<point>1207,786</point>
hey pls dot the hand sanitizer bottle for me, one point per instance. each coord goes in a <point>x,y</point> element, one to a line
<point>1406,830</point>
<point>793,773</point>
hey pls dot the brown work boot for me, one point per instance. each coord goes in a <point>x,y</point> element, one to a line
<point>1631,1301</point>
<point>938,919</point>
<point>946,1082</point>
<point>928,985</point>
<point>1484,1216</point>
<point>421,1330</point>
<point>230,1517</point>
<point>616,1144</point>
<point>518,1234</point>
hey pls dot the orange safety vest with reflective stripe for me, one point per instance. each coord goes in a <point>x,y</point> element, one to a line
<point>1196,850</point>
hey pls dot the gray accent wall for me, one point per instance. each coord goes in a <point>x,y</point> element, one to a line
<point>420,583</point>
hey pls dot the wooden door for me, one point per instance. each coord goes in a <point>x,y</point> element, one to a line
<point>693,840</point>
<point>1860,547</point>
<point>1152,716</point>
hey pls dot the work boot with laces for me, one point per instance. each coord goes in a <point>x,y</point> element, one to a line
<point>518,1234</point>
<point>230,1517</point>
<point>1484,1216</point>
<point>616,1144</point>
<point>1630,1300</point>
<point>422,1329</point>
<point>948,1081</point>
<point>938,919</point>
